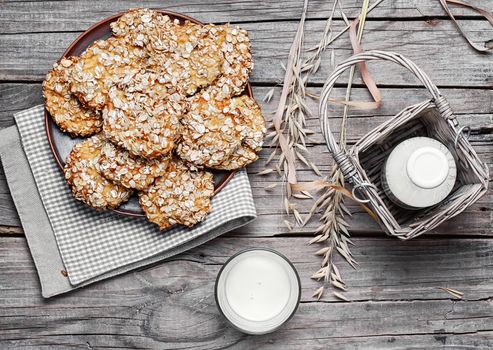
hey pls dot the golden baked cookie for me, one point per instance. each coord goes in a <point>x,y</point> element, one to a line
<point>119,166</point>
<point>194,55</point>
<point>249,120</point>
<point>87,184</point>
<point>221,133</point>
<point>237,63</point>
<point>197,59</point>
<point>181,196</point>
<point>156,32</point>
<point>209,134</point>
<point>64,108</point>
<point>251,126</point>
<point>240,158</point>
<point>205,60</point>
<point>187,36</point>
<point>142,115</point>
<point>147,28</point>
<point>103,64</point>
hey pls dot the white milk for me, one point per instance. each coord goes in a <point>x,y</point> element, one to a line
<point>257,288</point>
<point>420,172</point>
<point>257,291</point>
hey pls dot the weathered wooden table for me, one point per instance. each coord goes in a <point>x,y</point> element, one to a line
<point>395,303</point>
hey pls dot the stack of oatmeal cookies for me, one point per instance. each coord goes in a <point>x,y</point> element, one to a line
<point>161,102</point>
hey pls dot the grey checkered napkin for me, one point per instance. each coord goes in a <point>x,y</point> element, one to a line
<point>92,243</point>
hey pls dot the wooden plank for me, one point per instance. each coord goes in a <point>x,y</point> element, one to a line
<point>269,204</point>
<point>472,106</point>
<point>395,300</point>
<point>396,304</point>
<point>15,97</point>
<point>479,217</point>
<point>166,325</point>
<point>294,340</point>
<point>28,57</point>
<point>475,221</point>
<point>388,269</point>
<point>50,16</point>
<point>477,340</point>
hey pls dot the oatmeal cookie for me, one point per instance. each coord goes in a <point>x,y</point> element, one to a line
<point>103,64</point>
<point>147,28</point>
<point>142,115</point>
<point>83,177</point>
<point>249,120</point>
<point>240,158</point>
<point>205,60</point>
<point>196,61</point>
<point>251,126</point>
<point>237,63</point>
<point>221,133</point>
<point>189,53</point>
<point>121,167</point>
<point>65,109</point>
<point>181,196</point>
<point>209,134</point>
<point>156,32</point>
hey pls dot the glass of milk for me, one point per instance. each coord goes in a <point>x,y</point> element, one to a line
<point>258,290</point>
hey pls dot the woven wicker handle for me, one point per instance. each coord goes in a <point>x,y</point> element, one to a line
<point>341,157</point>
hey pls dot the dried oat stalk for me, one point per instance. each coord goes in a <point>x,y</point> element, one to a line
<point>333,234</point>
<point>453,292</point>
<point>289,134</point>
<point>334,231</point>
<point>288,130</point>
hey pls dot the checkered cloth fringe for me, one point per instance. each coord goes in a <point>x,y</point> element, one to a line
<point>92,243</point>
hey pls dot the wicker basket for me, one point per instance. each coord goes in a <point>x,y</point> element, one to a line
<point>363,164</point>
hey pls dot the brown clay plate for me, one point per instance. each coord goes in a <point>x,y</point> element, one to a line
<point>61,144</point>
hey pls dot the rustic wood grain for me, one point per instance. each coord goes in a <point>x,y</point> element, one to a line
<point>15,97</point>
<point>473,107</point>
<point>49,16</point>
<point>269,204</point>
<point>29,56</point>
<point>158,307</point>
<point>395,300</point>
<point>271,212</point>
<point>161,321</point>
<point>388,270</point>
